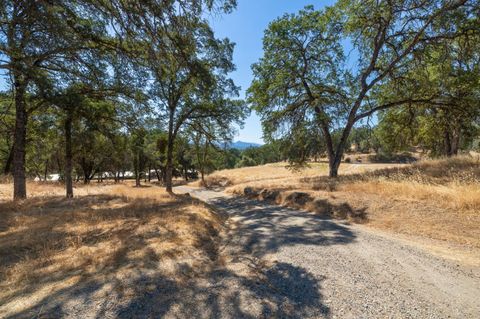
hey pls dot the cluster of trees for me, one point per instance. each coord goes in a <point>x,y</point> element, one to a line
<point>94,86</point>
<point>112,86</point>
<point>412,66</point>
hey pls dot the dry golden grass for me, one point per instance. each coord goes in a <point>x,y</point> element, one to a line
<point>50,244</point>
<point>279,175</point>
<point>438,199</point>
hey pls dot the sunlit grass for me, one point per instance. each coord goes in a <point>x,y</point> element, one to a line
<point>439,198</point>
<point>48,243</point>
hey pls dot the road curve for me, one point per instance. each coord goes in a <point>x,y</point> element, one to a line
<point>308,266</point>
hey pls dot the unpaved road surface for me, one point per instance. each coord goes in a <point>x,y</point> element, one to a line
<point>276,262</point>
<point>315,268</point>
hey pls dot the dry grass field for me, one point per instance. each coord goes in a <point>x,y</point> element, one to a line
<point>106,237</point>
<point>438,199</point>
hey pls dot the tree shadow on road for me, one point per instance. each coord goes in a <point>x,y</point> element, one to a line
<point>283,291</point>
<point>264,229</point>
<point>242,287</point>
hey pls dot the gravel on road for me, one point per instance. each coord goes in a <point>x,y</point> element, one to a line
<point>325,268</point>
<point>277,262</point>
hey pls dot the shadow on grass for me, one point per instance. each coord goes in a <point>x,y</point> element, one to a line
<point>304,201</point>
<point>130,281</point>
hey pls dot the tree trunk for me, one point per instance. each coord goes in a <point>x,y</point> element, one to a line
<point>137,180</point>
<point>333,167</point>
<point>169,168</point>
<point>87,168</point>
<point>45,172</point>
<point>136,169</point>
<point>8,163</point>
<point>158,175</point>
<point>335,154</point>
<point>19,179</point>
<point>169,164</point>
<point>68,155</point>
<point>447,143</point>
<point>204,161</point>
<point>455,141</point>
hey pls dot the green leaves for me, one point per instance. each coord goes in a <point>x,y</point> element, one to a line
<point>334,68</point>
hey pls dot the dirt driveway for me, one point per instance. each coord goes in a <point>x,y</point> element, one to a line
<point>316,267</point>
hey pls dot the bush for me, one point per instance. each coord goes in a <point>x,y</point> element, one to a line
<point>246,161</point>
<point>404,157</point>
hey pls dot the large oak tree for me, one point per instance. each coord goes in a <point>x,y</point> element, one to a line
<point>326,68</point>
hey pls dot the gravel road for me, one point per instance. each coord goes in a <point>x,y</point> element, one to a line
<point>311,267</point>
<point>277,262</point>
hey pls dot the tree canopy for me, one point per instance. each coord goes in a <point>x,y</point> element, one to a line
<point>337,67</point>
<point>95,75</point>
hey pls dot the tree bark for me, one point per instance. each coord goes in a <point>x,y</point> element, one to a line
<point>87,168</point>
<point>19,179</point>
<point>332,164</point>
<point>169,164</point>
<point>136,164</point>
<point>45,172</point>
<point>169,168</point>
<point>68,154</point>
<point>446,143</point>
<point>335,154</point>
<point>333,167</point>
<point>8,163</point>
<point>158,175</point>
<point>455,139</point>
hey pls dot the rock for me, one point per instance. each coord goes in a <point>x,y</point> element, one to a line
<point>224,182</point>
<point>298,199</point>
<point>269,195</point>
<point>250,192</point>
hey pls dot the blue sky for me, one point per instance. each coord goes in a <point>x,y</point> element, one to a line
<point>245,27</point>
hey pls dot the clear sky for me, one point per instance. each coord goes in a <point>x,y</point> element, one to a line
<point>245,27</point>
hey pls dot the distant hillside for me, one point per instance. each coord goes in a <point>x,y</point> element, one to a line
<point>239,145</point>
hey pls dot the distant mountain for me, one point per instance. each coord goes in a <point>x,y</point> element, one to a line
<point>239,145</point>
